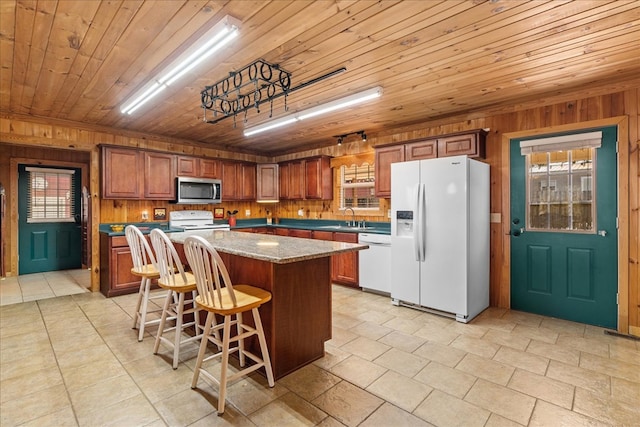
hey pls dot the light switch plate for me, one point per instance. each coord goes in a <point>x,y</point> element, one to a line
<point>247,212</point>
<point>496,218</point>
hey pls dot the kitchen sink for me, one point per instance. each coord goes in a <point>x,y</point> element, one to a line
<point>344,227</point>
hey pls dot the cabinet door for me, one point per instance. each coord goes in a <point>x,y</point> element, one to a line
<point>323,235</point>
<point>159,176</point>
<point>345,266</point>
<point>281,232</point>
<point>267,182</point>
<point>121,173</point>
<point>459,145</point>
<point>122,281</point>
<point>293,232</point>
<point>384,157</point>
<point>187,166</point>
<point>283,180</point>
<point>209,168</point>
<point>247,180</point>
<point>421,150</point>
<point>229,181</point>
<point>296,180</point>
<point>318,178</point>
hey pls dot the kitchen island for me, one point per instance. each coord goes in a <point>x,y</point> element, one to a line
<point>297,272</point>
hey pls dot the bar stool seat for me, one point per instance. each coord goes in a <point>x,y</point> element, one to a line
<point>179,284</point>
<point>218,296</point>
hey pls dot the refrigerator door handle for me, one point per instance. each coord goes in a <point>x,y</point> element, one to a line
<point>416,225</point>
<point>419,222</point>
<point>423,223</point>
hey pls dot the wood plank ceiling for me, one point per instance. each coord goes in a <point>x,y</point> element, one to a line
<point>79,60</point>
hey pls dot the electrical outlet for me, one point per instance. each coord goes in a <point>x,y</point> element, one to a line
<point>300,212</point>
<point>388,213</point>
<point>145,215</point>
<point>247,212</point>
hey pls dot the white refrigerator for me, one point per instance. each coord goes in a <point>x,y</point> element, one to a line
<point>440,235</point>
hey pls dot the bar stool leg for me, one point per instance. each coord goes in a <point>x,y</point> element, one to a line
<point>145,304</point>
<point>178,335</point>
<point>203,348</point>
<point>263,346</point>
<point>163,320</point>
<point>222,391</point>
<point>138,304</point>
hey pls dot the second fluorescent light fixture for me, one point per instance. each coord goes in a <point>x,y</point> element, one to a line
<point>348,101</point>
<point>219,35</point>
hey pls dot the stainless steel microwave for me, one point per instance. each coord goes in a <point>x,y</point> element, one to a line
<point>198,190</point>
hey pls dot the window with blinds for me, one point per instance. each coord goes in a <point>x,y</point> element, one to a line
<point>51,195</point>
<point>357,187</point>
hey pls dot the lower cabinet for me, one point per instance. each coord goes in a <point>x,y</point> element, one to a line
<point>344,268</point>
<point>115,267</point>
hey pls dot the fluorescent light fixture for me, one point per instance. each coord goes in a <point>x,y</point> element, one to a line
<point>348,101</point>
<point>220,34</point>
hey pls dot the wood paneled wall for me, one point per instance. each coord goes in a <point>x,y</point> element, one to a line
<point>619,107</point>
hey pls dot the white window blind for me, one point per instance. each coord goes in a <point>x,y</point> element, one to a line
<point>562,143</point>
<point>51,195</point>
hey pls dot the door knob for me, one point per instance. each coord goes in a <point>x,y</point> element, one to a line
<point>517,232</point>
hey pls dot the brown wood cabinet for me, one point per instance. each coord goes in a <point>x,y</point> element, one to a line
<point>238,181</point>
<point>471,143</point>
<point>115,267</point>
<point>318,178</point>
<point>296,180</point>
<point>294,232</point>
<point>198,167</point>
<point>267,182</point>
<point>122,173</point>
<point>384,157</point>
<point>159,175</point>
<point>344,267</point>
<point>283,180</point>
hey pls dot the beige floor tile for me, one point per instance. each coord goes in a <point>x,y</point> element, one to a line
<point>345,321</point>
<point>436,333</point>
<point>580,377</point>
<point>309,381</point>
<point>506,339</point>
<point>496,420</point>
<point>493,323</point>
<point>347,403</point>
<point>440,353</point>
<point>563,327</point>
<point>103,393</point>
<point>62,418</point>
<point>501,400</point>
<point>365,348</point>
<point>77,377</point>
<point>610,367</point>
<point>150,365</point>
<point>606,409</point>
<point>471,330</point>
<point>401,341</point>
<point>231,417</point>
<point>522,318</point>
<point>476,346</point>
<point>373,316</point>
<point>332,356</point>
<point>25,361</point>
<point>552,351</point>
<point>134,411</point>
<point>625,353</point>
<point>186,407</point>
<point>390,415</point>
<point>358,371</point>
<point>20,328</point>
<point>444,378</point>
<point>490,370</point>
<point>539,333</point>
<point>70,358</point>
<point>19,386</point>
<point>253,392</point>
<point>340,337</point>
<point>545,415</point>
<point>165,384</point>
<point>586,345</point>
<point>289,410</point>
<point>541,387</point>
<point>402,362</point>
<point>373,331</point>
<point>408,325</point>
<point>34,405</point>
<point>627,391</point>
<point>444,410</point>
<point>523,360</point>
<point>400,390</point>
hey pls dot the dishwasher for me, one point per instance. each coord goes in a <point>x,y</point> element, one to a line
<point>375,263</point>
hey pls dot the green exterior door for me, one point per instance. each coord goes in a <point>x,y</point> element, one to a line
<point>564,240</point>
<point>47,245</point>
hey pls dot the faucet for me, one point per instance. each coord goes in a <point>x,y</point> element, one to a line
<point>353,216</point>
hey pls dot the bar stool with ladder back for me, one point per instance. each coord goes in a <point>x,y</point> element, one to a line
<point>179,284</point>
<point>144,267</point>
<point>218,296</point>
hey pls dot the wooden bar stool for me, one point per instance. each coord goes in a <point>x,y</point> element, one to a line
<point>179,284</point>
<point>143,267</point>
<point>220,297</point>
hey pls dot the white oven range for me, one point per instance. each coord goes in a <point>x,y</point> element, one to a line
<point>194,220</point>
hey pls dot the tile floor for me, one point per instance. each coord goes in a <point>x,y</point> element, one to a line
<point>37,286</point>
<point>74,360</point>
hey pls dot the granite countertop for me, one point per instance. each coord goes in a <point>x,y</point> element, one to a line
<point>267,247</point>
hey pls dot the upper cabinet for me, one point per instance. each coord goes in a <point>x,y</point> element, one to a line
<point>309,178</point>
<point>238,181</point>
<point>471,143</point>
<point>267,182</point>
<point>318,178</point>
<point>197,167</point>
<point>159,176</point>
<point>122,176</point>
